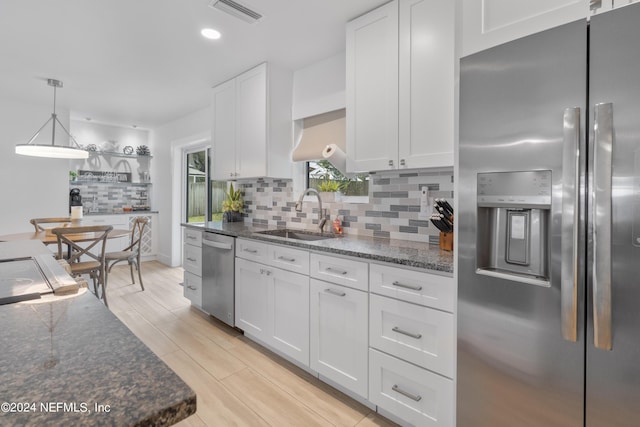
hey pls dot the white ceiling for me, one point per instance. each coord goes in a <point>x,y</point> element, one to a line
<point>144,62</point>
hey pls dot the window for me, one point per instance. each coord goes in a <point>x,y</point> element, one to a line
<point>323,176</point>
<point>203,197</point>
<point>196,163</point>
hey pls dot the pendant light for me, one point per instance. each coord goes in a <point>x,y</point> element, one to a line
<point>72,151</point>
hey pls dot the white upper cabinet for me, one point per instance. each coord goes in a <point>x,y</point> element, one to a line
<point>489,23</point>
<point>427,83</point>
<point>400,86</point>
<point>252,132</point>
<point>372,90</point>
<point>599,6</point>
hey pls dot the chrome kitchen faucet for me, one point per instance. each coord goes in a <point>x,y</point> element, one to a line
<point>322,220</point>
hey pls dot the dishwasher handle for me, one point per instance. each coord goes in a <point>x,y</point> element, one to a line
<point>217,245</point>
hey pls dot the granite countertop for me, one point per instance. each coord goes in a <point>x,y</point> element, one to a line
<point>404,252</point>
<point>140,212</point>
<point>70,361</point>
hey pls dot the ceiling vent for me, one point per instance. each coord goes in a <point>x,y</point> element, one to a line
<point>236,9</point>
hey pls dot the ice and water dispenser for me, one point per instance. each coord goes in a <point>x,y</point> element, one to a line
<point>513,210</point>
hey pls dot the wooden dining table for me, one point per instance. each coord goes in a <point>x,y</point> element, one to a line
<point>48,238</point>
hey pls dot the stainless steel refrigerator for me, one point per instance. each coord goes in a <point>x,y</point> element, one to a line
<point>549,228</point>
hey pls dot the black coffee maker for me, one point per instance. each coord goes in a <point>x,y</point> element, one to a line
<point>75,199</point>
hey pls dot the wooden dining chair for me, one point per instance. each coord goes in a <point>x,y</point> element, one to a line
<point>131,253</point>
<point>36,222</point>
<point>88,258</point>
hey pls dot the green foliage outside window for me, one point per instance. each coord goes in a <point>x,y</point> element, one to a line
<point>323,176</point>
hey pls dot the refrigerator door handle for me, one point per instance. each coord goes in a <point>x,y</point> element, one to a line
<point>603,148</point>
<point>570,223</point>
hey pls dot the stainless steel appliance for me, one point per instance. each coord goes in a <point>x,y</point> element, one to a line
<point>549,228</point>
<point>218,276</point>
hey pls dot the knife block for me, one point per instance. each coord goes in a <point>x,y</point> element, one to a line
<point>446,241</point>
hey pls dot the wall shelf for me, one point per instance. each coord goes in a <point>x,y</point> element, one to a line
<point>86,182</point>
<point>118,154</point>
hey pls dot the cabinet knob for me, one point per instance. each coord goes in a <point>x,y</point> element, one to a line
<point>402,162</point>
<point>390,162</point>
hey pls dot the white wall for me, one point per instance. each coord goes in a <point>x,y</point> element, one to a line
<point>320,87</point>
<point>29,186</point>
<point>167,141</point>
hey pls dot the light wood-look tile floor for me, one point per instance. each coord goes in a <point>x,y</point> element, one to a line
<point>237,382</point>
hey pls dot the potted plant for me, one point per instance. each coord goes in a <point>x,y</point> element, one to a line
<point>73,176</point>
<point>328,190</point>
<point>233,206</point>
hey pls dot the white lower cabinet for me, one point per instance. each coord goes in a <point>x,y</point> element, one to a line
<point>288,313</point>
<point>339,334</point>
<point>251,298</point>
<point>192,264</point>
<point>272,304</point>
<point>414,333</point>
<point>411,393</point>
<point>380,332</point>
<point>192,288</point>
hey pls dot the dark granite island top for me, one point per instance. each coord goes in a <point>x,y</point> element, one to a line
<point>70,362</point>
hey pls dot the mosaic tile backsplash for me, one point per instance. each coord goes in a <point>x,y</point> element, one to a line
<point>392,212</point>
<point>109,198</point>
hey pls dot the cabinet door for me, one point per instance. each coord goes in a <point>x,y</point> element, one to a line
<point>192,288</point>
<point>339,335</point>
<point>192,259</point>
<point>251,123</point>
<point>492,22</point>
<point>251,299</point>
<point>427,72</point>
<point>372,90</point>
<point>417,396</point>
<point>223,130</point>
<point>289,313</point>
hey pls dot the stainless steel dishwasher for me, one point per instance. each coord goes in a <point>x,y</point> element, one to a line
<point>218,276</point>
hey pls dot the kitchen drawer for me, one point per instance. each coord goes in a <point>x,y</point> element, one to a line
<point>192,259</point>
<point>413,394</point>
<point>342,271</point>
<point>193,288</point>
<point>417,334</point>
<point>252,250</point>
<point>287,258</point>
<point>418,287</point>
<point>117,221</point>
<point>192,237</point>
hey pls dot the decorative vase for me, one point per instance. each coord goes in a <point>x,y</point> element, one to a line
<point>232,216</point>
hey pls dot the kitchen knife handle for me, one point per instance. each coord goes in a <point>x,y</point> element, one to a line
<point>603,148</point>
<point>570,224</point>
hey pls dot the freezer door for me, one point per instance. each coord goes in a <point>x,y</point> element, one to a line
<point>520,353</point>
<point>613,335</point>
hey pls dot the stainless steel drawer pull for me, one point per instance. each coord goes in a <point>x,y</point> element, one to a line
<point>263,271</point>
<point>190,237</point>
<point>192,288</point>
<point>409,334</point>
<point>287,259</point>
<point>251,251</point>
<point>191,259</point>
<point>412,287</point>
<point>406,393</point>
<point>333,270</point>
<point>334,292</point>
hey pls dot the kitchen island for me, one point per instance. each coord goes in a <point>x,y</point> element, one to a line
<point>69,361</point>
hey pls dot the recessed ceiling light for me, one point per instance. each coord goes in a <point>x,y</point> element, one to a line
<point>210,33</point>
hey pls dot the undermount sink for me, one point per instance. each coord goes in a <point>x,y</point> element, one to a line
<point>297,234</point>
